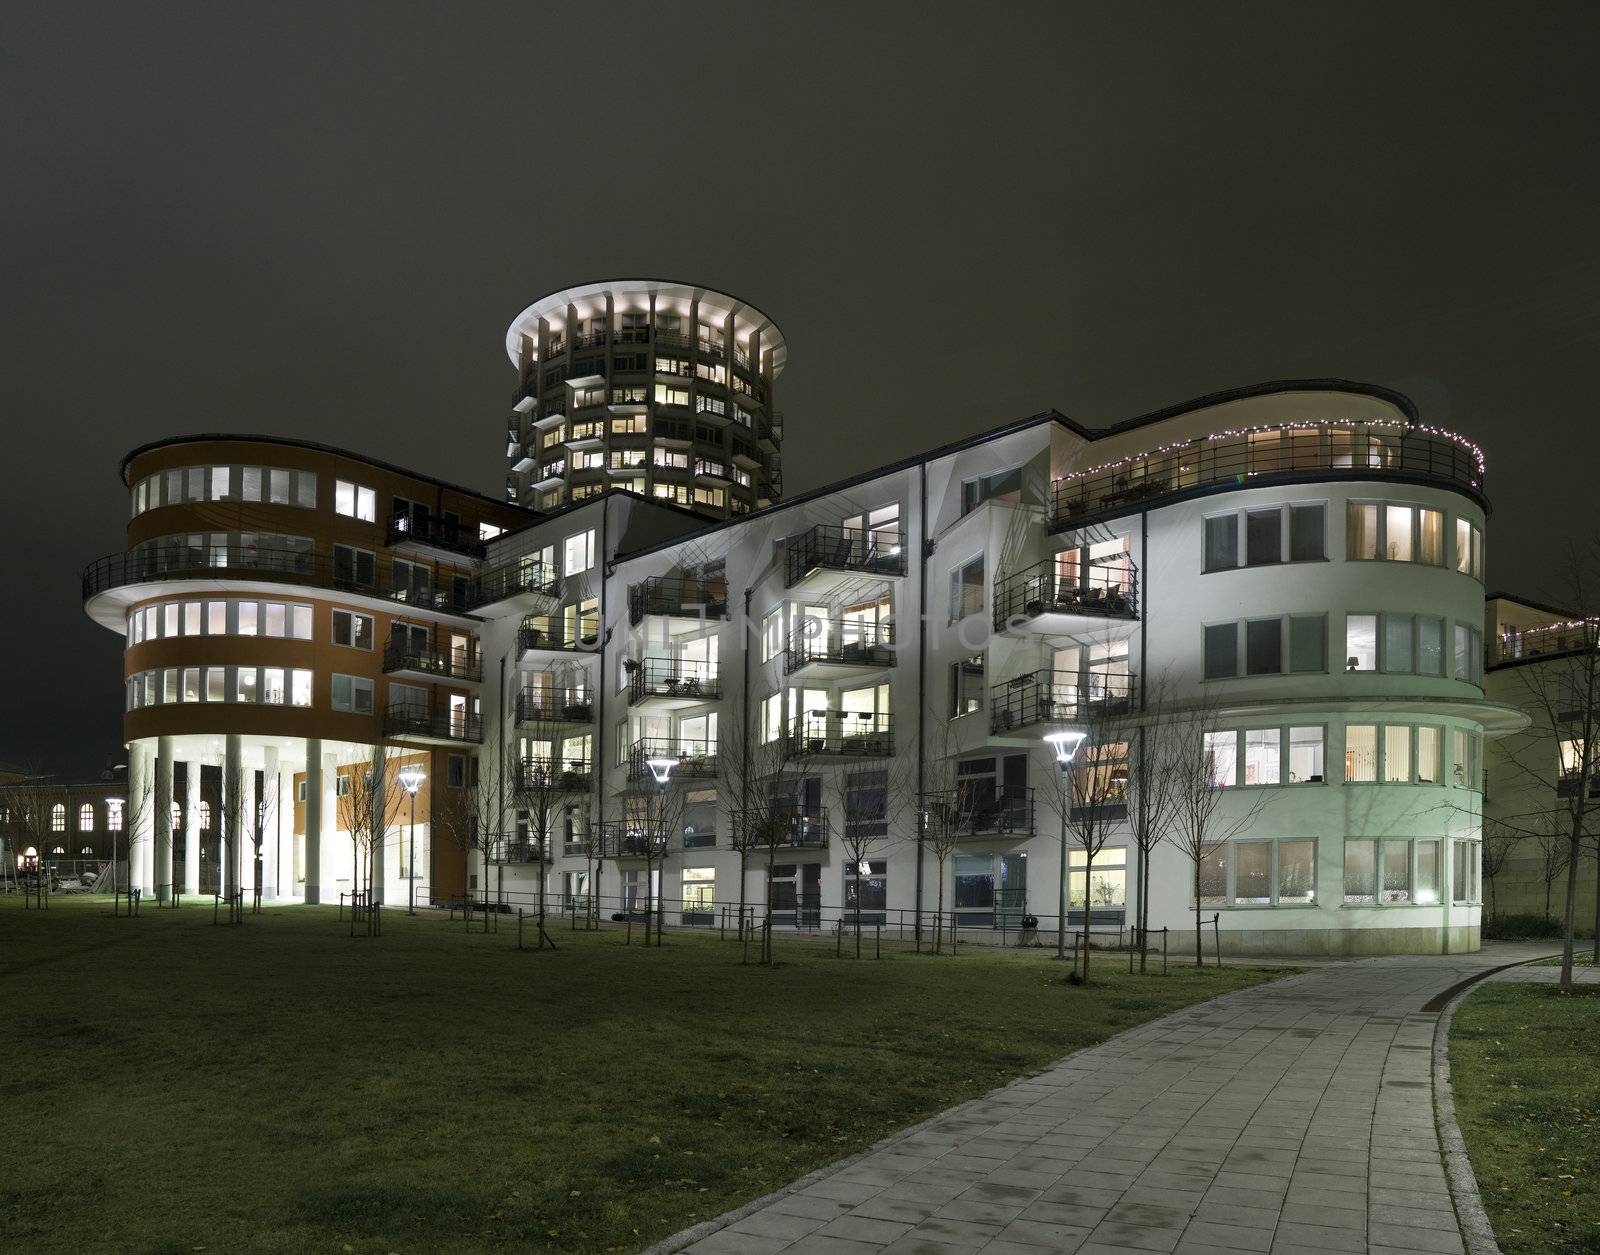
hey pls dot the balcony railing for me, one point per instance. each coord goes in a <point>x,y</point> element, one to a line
<point>547,705</point>
<point>841,643</point>
<point>621,838</point>
<point>979,810</point>
<point>408,719</point>
<point>684,597</point>
<point>1088,592</point>
<point>674,678</point>
<point>247,563</point>
<point>560,775</point>
<point>826,547</point>
<point>1057,697</point>
<point>520,850</point>
<point>783,823</point>
<point>1273,454</point>
<point>461,665</point>
<point>1550,642</point>
<point>440,533</point>
<point>557,636</point>
<point>842,734</point>
<point>694,758</point>
<point>512,579</point>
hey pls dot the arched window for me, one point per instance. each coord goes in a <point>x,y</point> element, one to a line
<point>177,817</point>
<point>58,818</point>
<point>60,849</point>
<point>113,816</point>
<point>205,816</point>
<point>86,818</point>
<point>88,849</point>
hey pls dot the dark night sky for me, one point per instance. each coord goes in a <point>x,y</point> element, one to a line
<point>318,221</point>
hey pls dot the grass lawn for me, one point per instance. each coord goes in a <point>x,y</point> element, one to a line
<point>170,1086</point>
<point>1527,1092</point>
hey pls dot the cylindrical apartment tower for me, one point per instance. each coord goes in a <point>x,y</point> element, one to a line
<point>662,388</point>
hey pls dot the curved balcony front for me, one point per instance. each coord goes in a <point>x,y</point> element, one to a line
<point>113,583</point>
<point>1059,601</point>
<point>1271,454</point>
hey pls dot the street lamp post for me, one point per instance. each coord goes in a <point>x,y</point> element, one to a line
<point>411,778</point>
<point>661,769</point>
<point>114,804</point>
<point>1065,745</point>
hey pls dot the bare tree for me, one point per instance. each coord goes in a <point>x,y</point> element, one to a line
<point>543,790</point>
<point>370,811</point>
<point>866,806</point>
<point>1196,767</point>
<point>651,817</point>
<point>1500,840</point>
<point>37,816</point>
<point>1550,839</point>
<point>1558,753</point>
<point>948,810</point>
<point>1152,807</point>
<point>473,818</point>
<point>746,770</point>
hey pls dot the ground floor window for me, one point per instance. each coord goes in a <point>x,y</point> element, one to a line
<point>699,895</point>
<point>866,886</point>
<point>797,895</point>
<point>637,898</point>
<point>575,889</point>
<point>990,890</point>
<point>1107,875</point>
<point>1391,871</point>
<point>1466,871</point>
<point>1277,872</point>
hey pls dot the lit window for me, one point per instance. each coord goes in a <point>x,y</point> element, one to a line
<point>578,553</point>
<point>1222,758</point>
<point>58,818</point>
<point>86,818</point>
<point>354,501</point>
<point>1361,642</point>
<point>1361,753</point>
<point>352,629</point>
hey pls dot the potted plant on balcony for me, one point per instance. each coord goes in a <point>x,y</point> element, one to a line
<point>578,712</point>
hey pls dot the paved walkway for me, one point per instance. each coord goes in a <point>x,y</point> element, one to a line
<point>1294,1118</point>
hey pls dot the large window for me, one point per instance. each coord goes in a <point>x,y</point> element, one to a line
<point>1393,753</point>
<point>1406,644</point>
<point>165,686</point>
<point>1269,535</point>
<point>1107,879</point>
<point>230,617</point>
<point>352,629</point>
<point>1391,871</point>
<point>578,553</point>
<point>1000,486</point>
<point>86,818</point>
<point>966,588</point>
<point>354,501</point>
<point>1284,644</point>
<point>352,693</point>
<point>1256,756</point>
<point>1465,871</point>
<point>354,568</point>
<point>699,891</point>
<point>271,485</point>
<point>1394,533</point>
<point>966,686</point>
<point>1469,653</point>
<point>1469,549</point>
<point>867,884</point>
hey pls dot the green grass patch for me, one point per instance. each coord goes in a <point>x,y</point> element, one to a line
<point>1527,1094</point>
<point>171,1086</point>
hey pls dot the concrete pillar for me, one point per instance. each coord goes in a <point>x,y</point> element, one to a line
<point>139,823</point>
<point>250,834</point>
<point>272,812</point>
<point>234,812</point>
<point>381,826</point>
<point>315,792</point>
<point>192,835</point>
<point>162,848</point>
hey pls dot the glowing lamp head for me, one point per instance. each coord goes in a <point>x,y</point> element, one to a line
<point>661,768</point>
<point>1065,744</point>
<point>411,778</point>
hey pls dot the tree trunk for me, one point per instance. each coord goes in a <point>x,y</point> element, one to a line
<point>1144,909</point>
<point>938,914</point>
<point>1088,881</point>
<point>744,856</point>
<point>1199,949</point>
<point>1570,910</point>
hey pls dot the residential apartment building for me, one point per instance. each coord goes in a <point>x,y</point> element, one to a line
<point>1301,560</point>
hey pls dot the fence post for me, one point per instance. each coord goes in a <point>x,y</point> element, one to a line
<point>1216,935</point>
<point>1164,933</point>
<point>877,941</point>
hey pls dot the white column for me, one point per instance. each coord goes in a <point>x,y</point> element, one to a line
<point>275,822</point>
<point>191,826</point>
<point>380,826</point>
<point>247,847</point>
<point>312,889</point>
<point>139,824</point>
<point>161,865</point>
<point>233,802</point>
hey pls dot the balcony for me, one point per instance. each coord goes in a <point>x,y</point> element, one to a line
<point>430,536</point>
<point>451,666</point>
<point>556,637</point>
<point>689,599</point>
<point>553,775</point>
<point>980,812</point>
<point>826,556</point>
<point>410,722</point>
<point>784,824</point>
<point>513,850</point>
<point>1049,599</point>
<point>1043,697</point>
<point>554,705</point>
<point>695,757</point>
<point>840,734</point>
<point>621,838</point>
<point>839,649</point>
<point>114,582</point>
<point>517,587</point>
<point>1561,640</point>
<point>1290,453</point>
<point>668,683</point>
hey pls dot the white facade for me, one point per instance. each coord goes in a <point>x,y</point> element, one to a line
<point>1362,675</point>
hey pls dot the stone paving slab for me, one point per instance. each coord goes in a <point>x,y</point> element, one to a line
<point>1290,1117</point>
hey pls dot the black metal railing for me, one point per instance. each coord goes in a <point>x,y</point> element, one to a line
<point>840,733</point>
<point>409,719</point>
<point>512,579</point>
<point>1057,697</point>
<point>784,823</point>
<point>1092,592</point>
<point>462,665</point>
<point>554,705</point>
<point>556,635</point>
<point>1276,454</point>
<point>1550,642</point>
<point>520,850</point>
<point>692,757</point>
<point>564,775</point>
<point>624,838</point>
<point>440,533</point>
<point>674,678</point>
<point>826,547</point>
<point>979,810</point>
<point>688,597</point>
<point>843,643</point>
